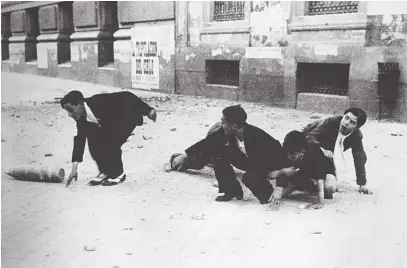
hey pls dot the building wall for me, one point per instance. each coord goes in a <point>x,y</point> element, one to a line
<point>97,42</point>
<point>376,33</point>
<point>387,42</point>
<point>86,40</point>
<point>256,42</point>
<point>136,20</point>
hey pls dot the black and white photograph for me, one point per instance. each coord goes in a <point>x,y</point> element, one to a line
<point>189,134</point>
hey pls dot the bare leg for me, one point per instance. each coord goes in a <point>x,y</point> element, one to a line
<point>330,184</point>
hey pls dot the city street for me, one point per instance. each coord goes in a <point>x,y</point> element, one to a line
<point>159,219</point>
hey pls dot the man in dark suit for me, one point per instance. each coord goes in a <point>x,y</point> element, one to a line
<point>335,135</point>
<point>239,144</point>
<point>106,121</point>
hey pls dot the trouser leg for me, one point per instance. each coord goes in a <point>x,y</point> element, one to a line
<point>226,177</point>
<point>95,145</point>
<point>224,172</point>
<point>258,184</point>
<point>115,141</point>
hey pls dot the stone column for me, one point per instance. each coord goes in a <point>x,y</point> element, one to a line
<point>92,42</point>
<point>181,23</point>
<point>53,42</point>
<point>24,28</point>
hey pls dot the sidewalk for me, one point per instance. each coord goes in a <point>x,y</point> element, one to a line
<point>41,88</point>
<point>158,219</point>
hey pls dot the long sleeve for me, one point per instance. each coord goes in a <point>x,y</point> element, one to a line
<point>79,142</point>
<point>312,136</point>
<point>207,145</point>
<point>144,107</point>
<point>323,132</point>
<point>282,181</point>
<point>359,159</point>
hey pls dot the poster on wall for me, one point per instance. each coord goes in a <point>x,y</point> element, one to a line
<point>150,45</point>
<point>75,52</point>
<point>145,63</point>
<point>42,55</point>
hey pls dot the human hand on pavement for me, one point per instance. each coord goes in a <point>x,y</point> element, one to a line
<point>152,115</point>
<point>364,190</point>
<point>276,197</point>
<point>179,162</point>
<point>73,174</point>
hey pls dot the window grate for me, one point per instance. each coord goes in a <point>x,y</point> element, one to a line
<point>332,7</point>
<point>388,79</point>
<point>324,78</point>
<point>222,72</point>
<point>228,10</point>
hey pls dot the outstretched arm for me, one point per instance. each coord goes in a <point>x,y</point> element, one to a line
<point>359,159</point>
<point>78,150</point>
<point>320,201</point>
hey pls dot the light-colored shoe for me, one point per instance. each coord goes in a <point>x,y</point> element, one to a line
<point>114,181</point>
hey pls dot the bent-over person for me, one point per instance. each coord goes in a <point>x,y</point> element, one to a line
<point>105,121</point>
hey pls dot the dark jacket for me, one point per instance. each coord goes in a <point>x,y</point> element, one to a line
<point>263,151</point>
<point>114,111</point>
<point>324,133</point>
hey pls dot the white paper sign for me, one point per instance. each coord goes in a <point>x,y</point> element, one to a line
<point>144,62</point>
<point>263,52</point>
<point>326,50</point>
<point>42,58</point>
<point>75,52</point>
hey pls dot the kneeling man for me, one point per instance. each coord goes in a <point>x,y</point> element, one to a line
<point>336,134</point>
<point>235,143</point>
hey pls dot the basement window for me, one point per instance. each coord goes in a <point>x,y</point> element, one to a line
<point>222,72</point>
<point>324,78</point>
<point>388,78</point>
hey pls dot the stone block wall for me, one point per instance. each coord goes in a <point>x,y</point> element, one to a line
<point>97,42</point>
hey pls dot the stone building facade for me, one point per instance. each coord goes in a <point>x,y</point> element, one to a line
<point>316,56</point>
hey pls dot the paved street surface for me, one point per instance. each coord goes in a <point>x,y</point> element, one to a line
<point>158,219</point>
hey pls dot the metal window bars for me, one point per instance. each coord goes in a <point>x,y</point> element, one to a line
<point>228,10</point>
<point>325,78</point>
<point>332,7</point>
<point>222,72</point>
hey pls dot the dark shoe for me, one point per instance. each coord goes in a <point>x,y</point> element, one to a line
<point>99,180</point>
<point>328,195</point>
<point>228,197</point>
